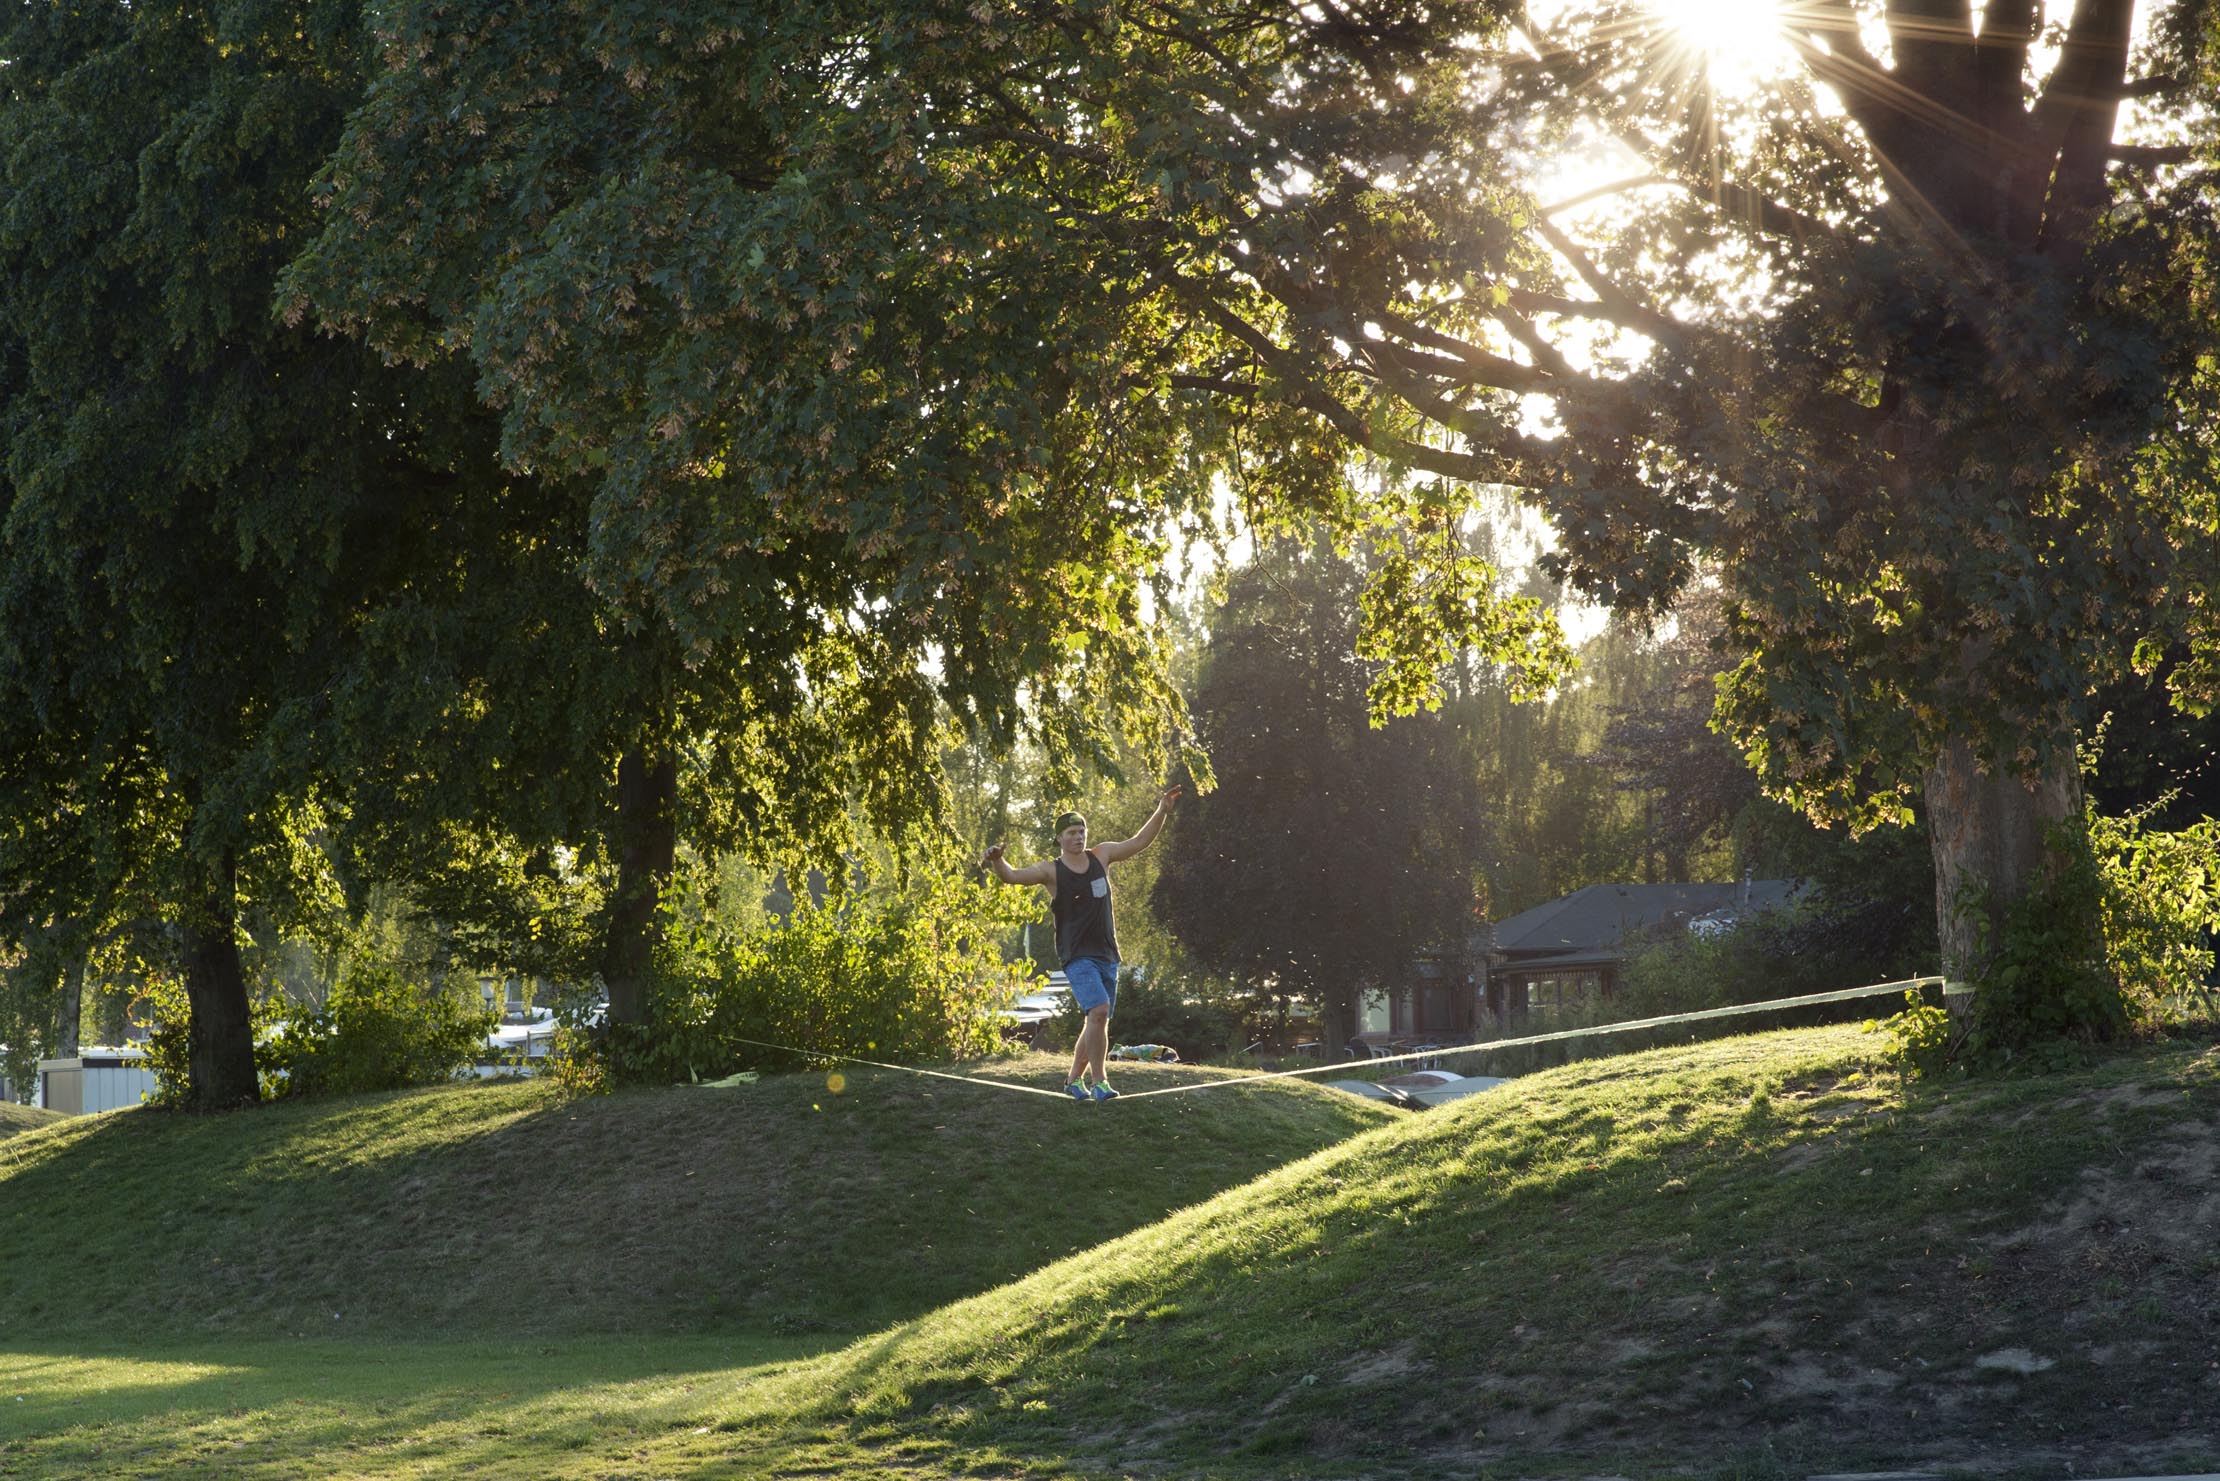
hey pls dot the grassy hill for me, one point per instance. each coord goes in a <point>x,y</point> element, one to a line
<point>1761,1257</point>
<point>1758,1256</point>
<point>784,1206</point>
<point>15,1119</point>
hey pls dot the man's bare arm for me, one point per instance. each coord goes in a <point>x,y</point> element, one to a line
<point>1110,853</point>
<point>1043,873</point>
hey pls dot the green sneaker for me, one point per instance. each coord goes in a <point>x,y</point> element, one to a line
<point>1078,1092</point>
<point>1103,1091</point>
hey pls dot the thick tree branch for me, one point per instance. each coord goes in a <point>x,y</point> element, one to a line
<point>1545,354</point>
<point>1616,187</point>
<point>1475,366</point>
<point>2098,42</point>
<point>1622,304</point>
<point>2085,77</point>
<point>1311,395</point>
<point>2000,63</point>
<point>2155,87</point>
<point>2151,154</point>
<point>1933,42</point>
<point>1757,209</point>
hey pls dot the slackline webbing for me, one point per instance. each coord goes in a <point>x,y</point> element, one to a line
<point>1842,995</point>
<point>907,1069</point>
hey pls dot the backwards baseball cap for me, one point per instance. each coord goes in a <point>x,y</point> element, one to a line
<point>1068,820</point>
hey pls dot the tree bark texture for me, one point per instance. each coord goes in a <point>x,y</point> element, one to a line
<point>221,1036</point>
<point>1990,835</point>
<point>70,1007</point>
<point>647,850</point>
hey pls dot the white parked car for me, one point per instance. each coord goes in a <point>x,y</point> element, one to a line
<point>1422,1079</point>
<point>1457,1088</point>
<point>1370,1091</point>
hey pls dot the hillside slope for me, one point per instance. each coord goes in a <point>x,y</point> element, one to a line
<point>1764,1255</point>
<point>15,1119</point>
<point>800,1204</point>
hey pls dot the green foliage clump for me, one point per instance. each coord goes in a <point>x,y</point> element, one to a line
<point>377,1031</point>
<point>2046,982</point>
<point>2161,904</point>
<point>911,974</point>
<point>1920,1037</point>
<point>573,1063</point>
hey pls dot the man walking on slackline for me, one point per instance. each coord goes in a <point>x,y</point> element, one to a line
<point>1078,885</point>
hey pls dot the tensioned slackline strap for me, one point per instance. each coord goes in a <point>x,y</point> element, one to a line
<point>1843,995</point>
<point>907,1069</point>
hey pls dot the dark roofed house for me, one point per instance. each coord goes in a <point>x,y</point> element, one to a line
<point>1569,952</point>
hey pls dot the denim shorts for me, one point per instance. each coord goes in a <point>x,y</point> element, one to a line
<point>1094,982</point>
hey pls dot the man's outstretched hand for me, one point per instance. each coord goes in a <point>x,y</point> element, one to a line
<point>990,856</point>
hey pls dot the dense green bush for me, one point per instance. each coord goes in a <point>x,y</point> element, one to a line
<point>376,1031</point>
<point>2053,979</point>
<point>901,975</point>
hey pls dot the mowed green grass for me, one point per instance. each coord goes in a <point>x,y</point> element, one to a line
<point>1762,1256</point>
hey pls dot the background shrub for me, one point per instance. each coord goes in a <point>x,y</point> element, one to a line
<point>901,975</point>
<point>1161,1008</point>
<point>377,1031</point>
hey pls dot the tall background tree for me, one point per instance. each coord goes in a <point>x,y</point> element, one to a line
<point>1334,853</point>
<point>197,502</point>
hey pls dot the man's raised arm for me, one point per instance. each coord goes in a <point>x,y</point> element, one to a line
<point>1110,853</point>
<point>993,862</point>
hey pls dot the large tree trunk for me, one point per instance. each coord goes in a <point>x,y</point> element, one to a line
<point>1333,1021</point>
<point>647,850</point>
<point>70,1007</point>
<point>221,1035</point>
<point>1990,835</point>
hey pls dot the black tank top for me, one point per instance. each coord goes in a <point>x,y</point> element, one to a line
<point>1083,922</point>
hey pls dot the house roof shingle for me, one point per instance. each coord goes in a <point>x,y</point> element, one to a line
<point>1604,915</point>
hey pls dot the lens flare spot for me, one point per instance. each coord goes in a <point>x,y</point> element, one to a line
<point>836,1082</point>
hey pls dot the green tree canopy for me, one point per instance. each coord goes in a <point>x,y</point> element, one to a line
<point>1907,337</point>
<point>195,499</point>
<point>948,286</point>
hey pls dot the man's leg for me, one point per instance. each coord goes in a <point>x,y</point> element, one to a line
<point>1093,1044</point>
<point>1081,1051</point>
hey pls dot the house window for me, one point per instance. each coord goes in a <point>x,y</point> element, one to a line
<point>1378,1016</point>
